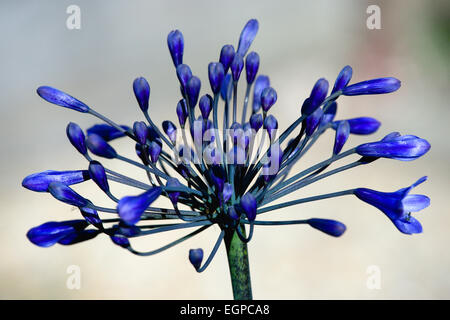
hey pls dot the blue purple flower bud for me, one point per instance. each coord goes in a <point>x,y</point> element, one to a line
<point>193,90</point>
<point>141,90</point>
<point>77,237</point>
<point>248,34</point>
<point>62,99</point>
<point>173,182</point>
<point>226,88</point>
<point>405,148</point>
<point>49,233</point>
<point>170,130</point>
<point>140,130</point>
<point>91,217</point>
<point>76,137</point>
<point>107,132</point>
<point>271,125</point>
<point>362,125</point>
<point>184,74</point>
<point>249,205</point>
<point>236,66</point>
<point>342,134</point>
<point>330,227</point>
<point>216,74</point>
<point>98,175</point>
<point>154,150</point>
<point>205,105</point>
<point>256,121</point>
<point>100,147</point>
<point>261,83</point>
<point>65,194</point>
<point>40,181</point>
<point>268,98</point>
<point>226,56</point>
<point>343,79</point>
<point>131,208</point>
<point>312,121</point>
<point>317,96</point>
<point>196,257</point>
<point>251,66</point>
<point>218,177</point>
<point>398,205</point>
<point>175,42</point>
<point>374,86</point>
<point>120,240</point>
<point>182,112</point>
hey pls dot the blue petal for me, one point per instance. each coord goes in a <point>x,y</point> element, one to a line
<point>248,34</point>
<point>62,99</point>
<point>132,207</point>
<point>49,233</point>
<point>40,181</point>
<point>249,205</point>
<point>415,202</point>
<point>408,225</point>
<point>374,86</point>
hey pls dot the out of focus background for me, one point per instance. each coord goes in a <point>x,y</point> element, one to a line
<point>298,42</point>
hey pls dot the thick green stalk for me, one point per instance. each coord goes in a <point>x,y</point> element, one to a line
<point>238,263</point>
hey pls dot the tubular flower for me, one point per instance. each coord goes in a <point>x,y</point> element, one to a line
<point>215,169</point>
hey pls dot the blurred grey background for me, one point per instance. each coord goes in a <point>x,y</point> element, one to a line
<point>298,42</point>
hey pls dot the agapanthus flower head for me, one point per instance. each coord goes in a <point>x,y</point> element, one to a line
<point>221,171</point>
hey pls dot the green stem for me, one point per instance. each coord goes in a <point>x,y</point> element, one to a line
<point>237,253</point>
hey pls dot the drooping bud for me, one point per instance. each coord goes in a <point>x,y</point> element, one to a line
<point>330,227</point>
<point>256,121</point>
<point>39,182</point>
<point>62,99</point>
<point>175,42</point>
<point>374,86</point>
<point>342,134</point>
<point>100,147</point>
<point>193,90</point>
<point>131,208</point>
<point>251,66</point>
<point>205,105</point>
<point>65,194</point>
<point>342,79</point>
<point>196,257</point>
<point>226,56</point>
<point>236,66</point>
<point>98,174</point>
<point>271,125</point>
<point>170,130</point>
<point>141,90</point>
<point>248,204</point>
<point>247,36</point>
<point>216,74</point>
<point>76,137</point>
<point>268,98</point>
<point>261,83</point>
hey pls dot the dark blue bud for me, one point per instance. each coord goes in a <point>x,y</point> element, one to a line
<point>196,257</point>
<point>268,98</point>
<point>182,112</point>
<point>76,137</point>
<point>173,182</point>
<point>342,134</point>
<point>226,56</point>
<point>131,208</point>
<point>140,130</point>
<point>248,34</point>
<point>205,105</point>
<point>78,237</point>
<point>184,74</point>
<point>256,121</point>
<point>249,204</point>
<point>216,74</point>
<point>40,181</point>
<point>141,90</point>
<point>317,96</point>
<point>236,66</point>
<point>107,132</point>
<point>251,66</point>
<point>154,151</point>
<point>91,217</point>
<point>227,192</point>
<point>62,99</point>
<point>330,227</point>
<point>232,213</point>
<point>227,88</point>
<point>193,90</point>
<point>362,125</point>
<point>312,121</point>
<point>100,147</point>
<point>49,233</point>
<point>218,177</point>
<point>405,148</point>
<point>65,194</point>
<point>343,79</point>
<point>175,42</point>
<point>374,86</point>
<point>120,240</point>
<point>98,174</point>
<point>329,114</point>
<point>170,130</point>
<point>271,125</point>
<point>261,83</point>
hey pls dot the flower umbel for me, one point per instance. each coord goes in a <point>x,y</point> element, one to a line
<point>224,175</point>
